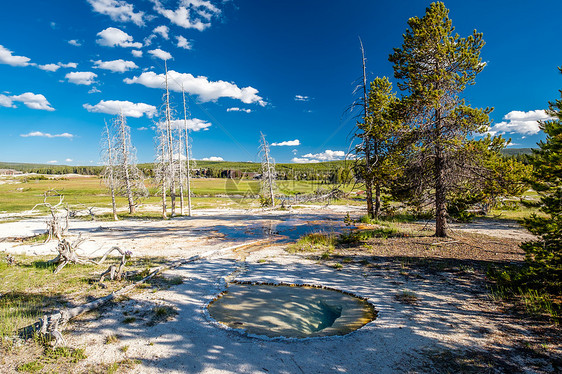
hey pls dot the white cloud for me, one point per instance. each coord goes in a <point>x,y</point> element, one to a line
<point>327,155</point>
<point>68,160</point>
<point>49,67</point>
<point>120,65</point>
<point>136,53</point>
<point>72,65</point>
<point>298,160</point>
<point>128,108</point>
<point>291,143</point>
<point>118,10</point>
<point>47,135</point>
<point>143,128</point>
<point>74,42</point>
<point>193,124</point>
<point>302,98</point>
<point>93,90</point>
<point>200,86</point>
<point>518,122</point>
<point>6,57</point>
<point>191,14</point>
<point>212,158</point>
<point>81,77</point>
<point>6,101</point>
<point>33,101</point>
<point>112,37</point>
<point>236,109</point>
<point>183,42</point>
<point>52,162</point>
<point>160,54</point>
<point>162,31</point>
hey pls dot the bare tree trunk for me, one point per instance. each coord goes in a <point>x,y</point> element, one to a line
<point>188,174</point>
<point>268,169</point>
<point>181,171</point>
<point>377,200</point>
<point>440,198</point>
<point>368,181</point>
<point>170,146</point>
<point>128,188</point>
<point>111,176</point>
<point>164,175</point>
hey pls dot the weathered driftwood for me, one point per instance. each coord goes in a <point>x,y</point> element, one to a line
<point>50,326</point>
<point>55,226</point>
<point>67,254</point>
<point>114,272</point>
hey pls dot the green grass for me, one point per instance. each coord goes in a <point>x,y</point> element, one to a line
<point>317,241</point>
<point>29,289</point>
<point>87,191</point>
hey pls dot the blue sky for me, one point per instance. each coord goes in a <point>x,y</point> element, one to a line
<point>287,68</point>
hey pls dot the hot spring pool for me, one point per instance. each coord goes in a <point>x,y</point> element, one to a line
<point>290,311</point>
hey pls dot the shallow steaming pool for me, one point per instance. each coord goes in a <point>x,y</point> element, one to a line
<point>290,311</point>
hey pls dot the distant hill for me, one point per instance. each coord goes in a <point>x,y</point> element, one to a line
<point>517,151</point>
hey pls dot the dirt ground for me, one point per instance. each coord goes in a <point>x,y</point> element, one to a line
<point>435,309</point>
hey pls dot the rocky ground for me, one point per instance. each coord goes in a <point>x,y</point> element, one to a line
<point>435,309</point>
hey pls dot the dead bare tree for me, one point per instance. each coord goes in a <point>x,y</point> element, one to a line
<point>187,154</point>
<point>57,224</point>
<point>108,155</point>
<point>162,166</point>
<point>170,140</point>
<point>130,179</point>
<point>268,173</point>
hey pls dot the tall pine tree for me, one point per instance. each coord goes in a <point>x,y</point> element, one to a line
<point>544,255</point>
<point>434,65</point>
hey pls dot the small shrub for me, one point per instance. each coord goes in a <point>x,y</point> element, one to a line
<point>129,320</point>
<point>110,339</point>
<point>407,297</point>
<point>30,367</point>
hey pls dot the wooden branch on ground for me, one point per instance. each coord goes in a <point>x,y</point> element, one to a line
<point>51,325</point>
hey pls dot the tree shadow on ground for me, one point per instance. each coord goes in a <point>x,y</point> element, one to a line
<point>448,329</point>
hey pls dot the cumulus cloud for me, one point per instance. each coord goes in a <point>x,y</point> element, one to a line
<point>128,108</point>
<point>68,160</point>
<point>191,14</point>
<point>291,143</point>
<point>6,57</point>
<point>31,100</point>
<point>136,53</point>
<point>112,37</point>
<point>52,162</point>
<point>162,31</point>
<point>236,109</point>
<point>74,42</point>
<point>200,86</point>
<point>327,155</point>
<point>212,158</point>
<point>302,98</point>
<point>6,101</point>
<point>93,90</point>
<point>193,124</point>
<point>300,160</point>
<point>518,122</point>
<point>72,65</point>
<point>120,65</point>
<point>118,10</point>
<point>160,54</point>
<point>49,67</point>
<point>47,135</point>
<point>183,42</point>
<point>85,78</point>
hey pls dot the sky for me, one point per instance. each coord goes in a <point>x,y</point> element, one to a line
<point>286,68</point>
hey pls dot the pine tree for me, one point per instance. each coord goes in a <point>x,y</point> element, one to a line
<point>544,255</point>
<point>434,66</point>
<point>379,133</point>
